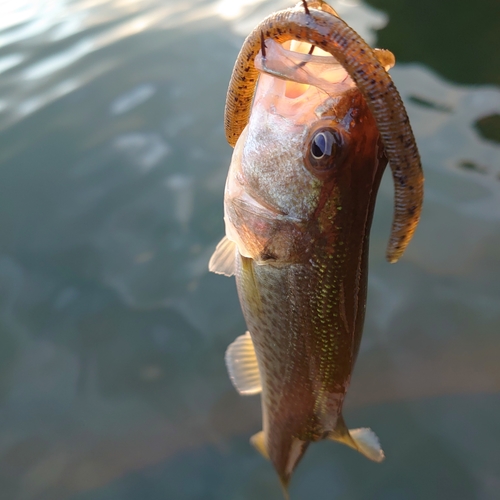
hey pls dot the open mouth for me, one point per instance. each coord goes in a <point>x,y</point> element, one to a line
<point>303,65</point>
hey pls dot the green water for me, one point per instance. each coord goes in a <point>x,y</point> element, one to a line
<point>112,331</point>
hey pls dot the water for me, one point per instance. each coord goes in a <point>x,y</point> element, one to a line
<point>112,332</point>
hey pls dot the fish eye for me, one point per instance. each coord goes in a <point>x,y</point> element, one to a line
<point>322,145</point>
<point>323,150</point>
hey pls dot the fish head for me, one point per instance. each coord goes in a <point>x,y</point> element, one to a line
<point>310,149</point>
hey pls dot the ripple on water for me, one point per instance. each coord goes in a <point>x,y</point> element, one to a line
<point>113,203</point>
<point>443,117</point>
<point>145,150</point>
<point>10,61</point>
<point>48,45</point>
<point>130,100</point>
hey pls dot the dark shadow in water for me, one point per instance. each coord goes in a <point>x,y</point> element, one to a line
<point>455,37</point>
<point>489,127</point>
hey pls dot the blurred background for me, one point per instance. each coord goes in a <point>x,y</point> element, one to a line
<point>112,331</point>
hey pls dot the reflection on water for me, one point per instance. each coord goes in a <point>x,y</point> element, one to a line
<point>113,162</point>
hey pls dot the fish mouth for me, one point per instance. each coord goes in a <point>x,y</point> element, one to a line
<point>302,69</point>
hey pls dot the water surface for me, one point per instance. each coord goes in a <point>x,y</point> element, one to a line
<point>112,331</point>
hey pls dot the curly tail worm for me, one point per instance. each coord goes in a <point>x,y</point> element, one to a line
<point>330,33</point>
<point>385,58</point>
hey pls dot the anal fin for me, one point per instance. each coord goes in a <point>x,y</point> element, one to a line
<point>259,443</point>
<point>223,259</point>
<point>242,366</point>
<point>363,440</point>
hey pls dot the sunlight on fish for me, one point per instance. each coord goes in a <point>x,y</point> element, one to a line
<point>312,140</point>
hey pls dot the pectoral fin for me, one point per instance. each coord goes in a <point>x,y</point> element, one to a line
<point>363,440</point>
<point>242,366</point>
<point>223,259</point>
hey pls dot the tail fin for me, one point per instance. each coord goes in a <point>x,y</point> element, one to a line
<point>285,455</point>
<point>286,462</point>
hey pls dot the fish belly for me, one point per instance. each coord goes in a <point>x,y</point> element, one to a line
<point>303,344</point>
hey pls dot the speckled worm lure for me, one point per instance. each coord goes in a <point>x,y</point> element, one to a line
<point>324,29</point>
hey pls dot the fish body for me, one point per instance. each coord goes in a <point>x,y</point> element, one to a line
<point>300,254</point>
<point>298,206</point>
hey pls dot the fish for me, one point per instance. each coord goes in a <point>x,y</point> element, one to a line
<point>314,118</point>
